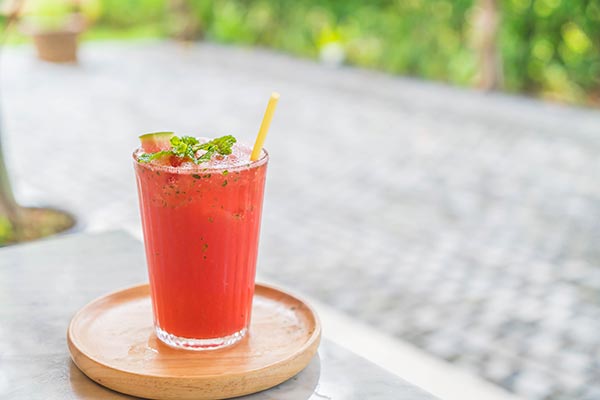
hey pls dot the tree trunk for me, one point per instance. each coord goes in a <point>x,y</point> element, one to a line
<point>486,23</point>
<point>9,209</point>
<point>183,21</point>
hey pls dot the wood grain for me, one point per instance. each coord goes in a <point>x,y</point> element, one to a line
<point>112,341</point>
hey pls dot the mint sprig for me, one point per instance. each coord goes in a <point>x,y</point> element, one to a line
<point>220,145</point>
<point>187,147</point>
<point>147,157</point>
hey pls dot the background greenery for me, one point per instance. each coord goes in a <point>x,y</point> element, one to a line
<point>549,48</point>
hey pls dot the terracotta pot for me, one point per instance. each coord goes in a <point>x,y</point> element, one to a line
<point>59,47</point>
<point>56,45</point>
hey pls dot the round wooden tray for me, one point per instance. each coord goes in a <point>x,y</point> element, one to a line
<point>112,341</point>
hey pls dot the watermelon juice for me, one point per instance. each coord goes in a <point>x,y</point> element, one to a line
<point>201,228</point>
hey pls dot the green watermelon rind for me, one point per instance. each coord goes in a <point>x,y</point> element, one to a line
<point>156,141</point>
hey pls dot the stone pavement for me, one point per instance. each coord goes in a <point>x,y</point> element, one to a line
<point>462,222</point>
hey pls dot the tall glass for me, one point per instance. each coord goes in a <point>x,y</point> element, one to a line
<point>201,229</point>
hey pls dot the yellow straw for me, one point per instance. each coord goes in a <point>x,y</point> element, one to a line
<point>264,127</point>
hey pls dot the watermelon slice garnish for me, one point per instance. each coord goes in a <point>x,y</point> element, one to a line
<point>156,141</point>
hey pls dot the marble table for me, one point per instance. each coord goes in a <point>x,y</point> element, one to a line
<point>43,284</point>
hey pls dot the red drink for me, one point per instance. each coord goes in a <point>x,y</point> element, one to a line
<point>201,227</point>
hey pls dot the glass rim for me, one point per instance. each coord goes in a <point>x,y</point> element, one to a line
<point>176,170</point>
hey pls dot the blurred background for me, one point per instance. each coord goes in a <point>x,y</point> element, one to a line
<point>434,163</point>
<point>543,48</point>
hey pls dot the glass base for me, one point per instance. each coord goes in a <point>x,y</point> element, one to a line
<point>198,344</point>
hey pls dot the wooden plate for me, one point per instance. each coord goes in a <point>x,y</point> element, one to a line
<point>112,341</point>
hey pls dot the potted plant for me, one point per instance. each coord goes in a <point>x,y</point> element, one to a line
<point>55,26</point>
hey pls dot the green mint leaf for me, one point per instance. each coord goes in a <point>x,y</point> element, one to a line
<point>205,157</point>
<point>147,157</point>
<point>221,145</point>
<point>190,140</point>
<point>184,146</point>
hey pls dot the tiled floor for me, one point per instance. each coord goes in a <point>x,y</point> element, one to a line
<point>464,223</point>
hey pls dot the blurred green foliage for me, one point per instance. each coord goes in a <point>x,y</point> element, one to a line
<point>6,230</point>
<point>549,48</point>
<point>423,38</point>
<point>552,47</point>
<point>125,14</point>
